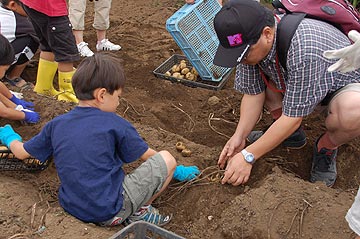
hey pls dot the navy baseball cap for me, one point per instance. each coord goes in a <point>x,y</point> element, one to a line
<point>238,25</point>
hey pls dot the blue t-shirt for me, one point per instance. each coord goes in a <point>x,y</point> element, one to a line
<point>89,147</point>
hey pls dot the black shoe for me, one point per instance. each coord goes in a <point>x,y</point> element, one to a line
<point>295,141</point>
<point>323,166</point>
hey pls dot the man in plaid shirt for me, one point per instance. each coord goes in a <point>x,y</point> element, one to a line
<point>247,35</point>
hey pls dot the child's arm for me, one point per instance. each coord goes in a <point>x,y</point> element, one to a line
<point>18,150</point>
<point>12,140</point>
<point>150,152</point>
<point>8,111</point>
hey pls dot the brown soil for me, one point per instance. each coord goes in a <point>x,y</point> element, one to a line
<point>277,202</point>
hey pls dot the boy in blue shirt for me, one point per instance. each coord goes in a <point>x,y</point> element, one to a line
<point>91,143</point>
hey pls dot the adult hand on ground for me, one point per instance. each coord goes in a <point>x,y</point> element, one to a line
<point>237,171</point>
<point>185,173</point>
<point>8,135</point>
<point>233,146</point>
<point>23,103</point>
<point>349,56</point>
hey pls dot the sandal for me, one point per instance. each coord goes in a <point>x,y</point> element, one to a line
<point>20,83</point>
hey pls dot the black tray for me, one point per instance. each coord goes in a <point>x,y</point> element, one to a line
<point>8,162</point>
<point>175,59</point>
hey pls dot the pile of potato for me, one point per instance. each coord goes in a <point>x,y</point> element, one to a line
<point>182,71</point>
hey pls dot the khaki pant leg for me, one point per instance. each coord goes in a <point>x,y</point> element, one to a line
<point>102,11</point>
<point>77,14</point>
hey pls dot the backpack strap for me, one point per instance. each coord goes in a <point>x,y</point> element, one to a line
<point>285,31</point>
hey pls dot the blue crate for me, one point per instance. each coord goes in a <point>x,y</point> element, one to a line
<point>193,30</point>
<point>144,230</point>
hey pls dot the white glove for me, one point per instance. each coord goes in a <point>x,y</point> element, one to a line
<point>17,94</point>
<point>349,56</point>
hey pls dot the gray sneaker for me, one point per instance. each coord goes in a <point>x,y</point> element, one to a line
<point>295,141</point>
<point>323,166</point>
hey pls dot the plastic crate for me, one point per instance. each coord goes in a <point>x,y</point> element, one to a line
<point>175,59</point>
<point>144,230</point>
<point>193,30</point>
<point>8,162</point>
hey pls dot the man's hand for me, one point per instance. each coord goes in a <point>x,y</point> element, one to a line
<point>237,171</point>
<point>8,135</point>
<point>233,146</point>
<point>349,56</point>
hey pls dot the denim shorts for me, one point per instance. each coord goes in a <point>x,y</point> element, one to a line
<point>55,35</point>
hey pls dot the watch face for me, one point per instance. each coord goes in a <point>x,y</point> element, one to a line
<point>249,158</point>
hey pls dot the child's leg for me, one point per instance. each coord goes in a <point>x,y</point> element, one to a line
<point>102,12</point>
<point>47,69</point>
<point>24,48</point>
<point>77,14</point>
<point>142,186</point>
<point>146,183</point>
<point>65,86</point>
<point>171,165</point>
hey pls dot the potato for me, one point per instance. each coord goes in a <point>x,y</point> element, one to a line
<point>193,70</point>
<point>185,71</point>
<point>167,73</point>
<point>176,74</point>
<point>181,76</point>
<point>190,76</point>
<point>182,65</point>
<point>183,61</point>
<point>180,146</point>
<point>186,152</point>
<point>175,68</point>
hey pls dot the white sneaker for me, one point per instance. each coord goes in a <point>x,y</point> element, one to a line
<point>106,45</point>
<point>84,50</point>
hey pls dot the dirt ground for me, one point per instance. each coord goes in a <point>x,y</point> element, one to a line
<point>277,202</point>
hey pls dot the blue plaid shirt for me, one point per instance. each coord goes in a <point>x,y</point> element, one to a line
<point>307,80</point>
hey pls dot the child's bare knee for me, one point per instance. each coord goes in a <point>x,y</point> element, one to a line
<point>169,159</point>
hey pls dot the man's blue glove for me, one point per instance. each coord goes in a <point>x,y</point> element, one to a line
<point>185,173</point>
<point>23,103</point>
<point>8,135</point>
<point>30,116</point>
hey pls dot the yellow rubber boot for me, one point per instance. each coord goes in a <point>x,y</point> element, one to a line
<point>66,90</point>
<point>45,78</point>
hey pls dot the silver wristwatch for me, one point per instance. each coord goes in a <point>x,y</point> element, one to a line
<point>249,157</point>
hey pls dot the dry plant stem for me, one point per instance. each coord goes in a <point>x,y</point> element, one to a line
<point>20,236</point>
<point>292,223</point>
<point>33,210</point>
<point>302,216</point>
<point>193,182</point>
<point>272,215</point>
<point>42,219</point>
<point>211,116</point>
<point>132,107</point>
<point>192,121</point>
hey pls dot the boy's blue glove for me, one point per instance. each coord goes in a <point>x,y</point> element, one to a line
<point>25,104</point>
<point>8,135</point>
<point>185,173</point>
<point>30,116</point>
